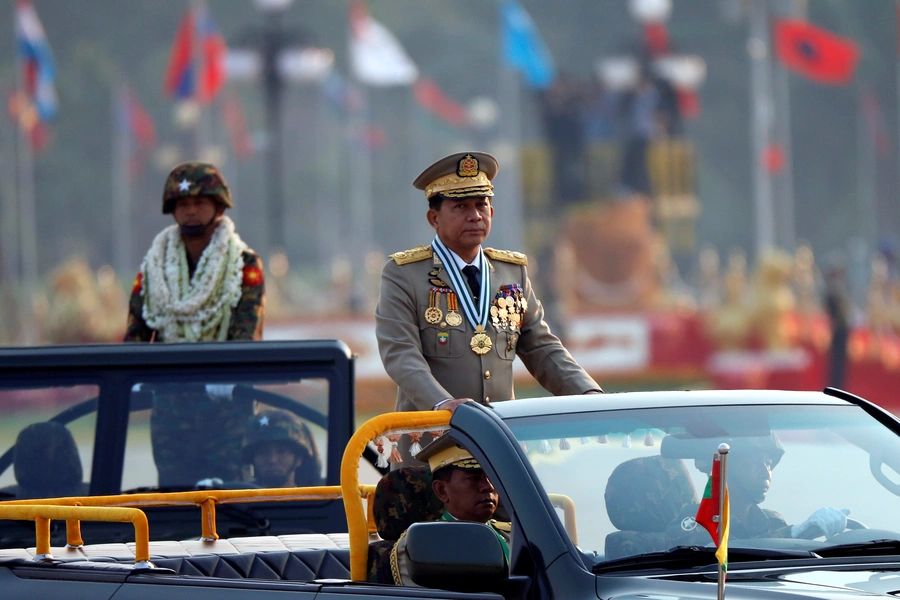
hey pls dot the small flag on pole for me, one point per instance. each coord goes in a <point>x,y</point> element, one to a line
<point>714,511</point>
<point>39,69</point>
<point>523,47</point>
<point>196,75</point>
<point>815,52</point>
<point>376,56</point>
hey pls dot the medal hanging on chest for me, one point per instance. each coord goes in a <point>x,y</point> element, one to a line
<point>508,308</point>
<point>481,343</point>
<point>433,314</point>
<point>454,319</point>
<point>476,314</point>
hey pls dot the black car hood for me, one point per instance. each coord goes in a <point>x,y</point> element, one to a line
<point>832,583</point>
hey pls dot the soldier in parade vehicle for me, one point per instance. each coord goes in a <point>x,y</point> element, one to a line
<point>198,282</point>
<point>751,462</point>
<point>452,316</point>
<point>282,451</point>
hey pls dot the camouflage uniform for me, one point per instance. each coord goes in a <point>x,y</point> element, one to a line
<point>247,318</point>
<point>283,426</point>
<point>199,435</point>
<point>760,523</point>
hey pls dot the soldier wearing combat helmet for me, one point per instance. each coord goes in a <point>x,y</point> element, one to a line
<point>225,296</point>
<point>452,316</point>
<point>198,282</point>
<point>282,451</point>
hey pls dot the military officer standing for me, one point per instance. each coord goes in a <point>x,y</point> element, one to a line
<point>198,282</point>
<point>452,316</point>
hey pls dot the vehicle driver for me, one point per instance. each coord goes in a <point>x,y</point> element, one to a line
<point>281,450</point>
<point>467,493</point>
<point>750,465</point>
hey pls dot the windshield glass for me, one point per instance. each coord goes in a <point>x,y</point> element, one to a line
<point>635,477</point>
<point>268,432</point>
<point>43,456</point>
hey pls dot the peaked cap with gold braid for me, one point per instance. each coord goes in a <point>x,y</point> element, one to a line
<point>443,452</point>
<point>460,175</point>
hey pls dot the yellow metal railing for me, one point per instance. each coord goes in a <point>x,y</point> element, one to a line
<point>399,422</point>
<point>207,500</point>
<point>42,514</point>
<point>568,507</point>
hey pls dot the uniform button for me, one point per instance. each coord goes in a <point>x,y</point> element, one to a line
<point>487,399</point>
<point>487,374</point>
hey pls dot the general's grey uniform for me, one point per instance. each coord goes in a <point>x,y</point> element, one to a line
<point>428,370</point>
<point>427,344</point>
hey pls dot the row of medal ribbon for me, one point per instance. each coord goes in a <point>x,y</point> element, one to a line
<point>507,309</point>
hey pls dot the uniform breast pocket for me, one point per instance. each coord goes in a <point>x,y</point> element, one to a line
<point>506,344</point>
<point>442,342</point>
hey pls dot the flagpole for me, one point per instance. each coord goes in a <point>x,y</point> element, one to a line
<point>27,218</point>
<point>866,167</point>
<point>761,102</point>
<point>897,63</point>
<point>723,490</point>
<point>784,204</point>
<point>360,199</point>
<point>9,214</point>
<point>121,189</point>
<point>508,152</point>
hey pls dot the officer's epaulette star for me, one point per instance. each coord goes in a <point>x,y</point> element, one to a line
<point>412,255</point>
<point>507,256</point>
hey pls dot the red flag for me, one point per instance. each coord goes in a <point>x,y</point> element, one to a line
<point>236,125</point>
<point>200,76</point>
<point>179,79</point>
<point>816,53</point>
<point>141,123</point>
<point>656,37</point>
<point>709,505</point>
<point>431,98</point>
<point>212,58</point>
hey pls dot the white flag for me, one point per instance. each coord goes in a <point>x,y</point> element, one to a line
<point>376,56</point>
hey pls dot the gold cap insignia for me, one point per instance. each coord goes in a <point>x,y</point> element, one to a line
<point>467,167</point>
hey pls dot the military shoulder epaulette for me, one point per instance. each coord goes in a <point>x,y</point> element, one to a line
<point>412,255</point>
<point>502,525</point>
<point>507,256</point>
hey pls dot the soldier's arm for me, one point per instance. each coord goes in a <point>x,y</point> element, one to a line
<point>544,355</point>
<point>248,317</point>
<point>399,343</point>
<point>137,329</point>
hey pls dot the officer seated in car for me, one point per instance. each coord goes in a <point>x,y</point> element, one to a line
<point>281,450</point>
<point>750,465</point>
<point>466,492</point>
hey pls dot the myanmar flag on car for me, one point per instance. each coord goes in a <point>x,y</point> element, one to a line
<point>709,509</point>
<point>815,52</point>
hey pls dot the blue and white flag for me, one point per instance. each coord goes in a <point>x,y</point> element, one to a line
<point>523,49</point>
<point>39,70</point>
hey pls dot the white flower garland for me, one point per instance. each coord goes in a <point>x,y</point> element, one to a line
<point>198,308</point>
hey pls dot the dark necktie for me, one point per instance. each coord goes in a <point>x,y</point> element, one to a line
<point>473,277</point>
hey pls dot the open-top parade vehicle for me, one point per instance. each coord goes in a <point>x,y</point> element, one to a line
<point>77,421</point>
<point>595,488</point>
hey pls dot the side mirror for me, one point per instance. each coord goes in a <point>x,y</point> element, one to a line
<point>457,556</point>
